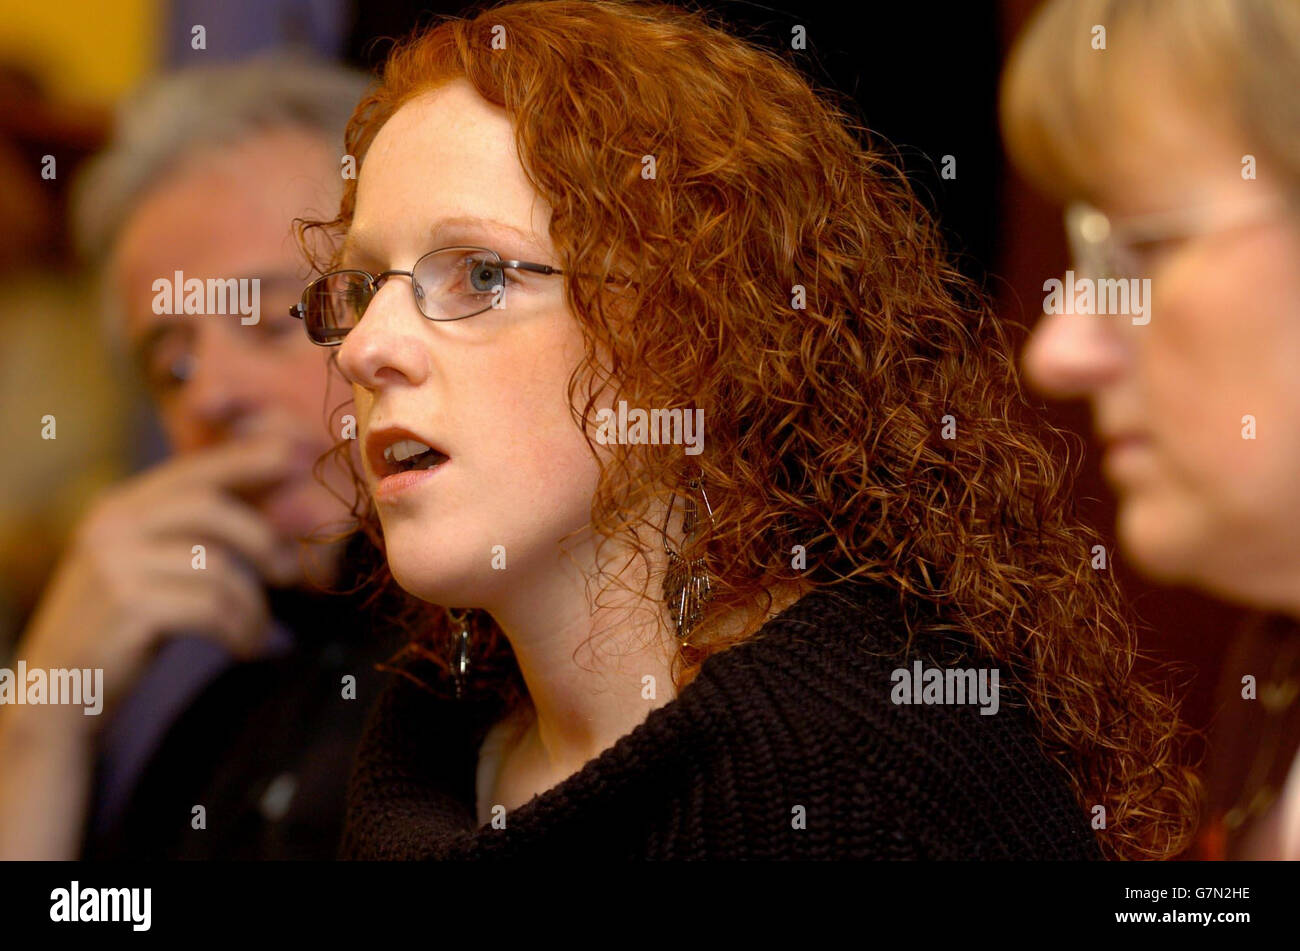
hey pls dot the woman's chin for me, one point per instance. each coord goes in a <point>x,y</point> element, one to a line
<point>437,582</point>
<point>1187,546</point>
<point>1157,540</point>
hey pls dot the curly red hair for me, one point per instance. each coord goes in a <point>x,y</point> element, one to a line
<point>824,422</point>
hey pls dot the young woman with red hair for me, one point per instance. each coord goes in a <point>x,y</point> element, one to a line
<point>578,227</point>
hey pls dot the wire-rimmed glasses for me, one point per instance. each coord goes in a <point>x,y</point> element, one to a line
<point>448,284</point>
<point>1102,246</point>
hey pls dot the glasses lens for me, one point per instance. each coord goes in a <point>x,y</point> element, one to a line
<point>1088,231</point>
<point>459,282</point>
<point>335,303</point>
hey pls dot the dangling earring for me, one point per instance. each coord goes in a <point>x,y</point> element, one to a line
<point>686,584</point>
<point>460,657</point>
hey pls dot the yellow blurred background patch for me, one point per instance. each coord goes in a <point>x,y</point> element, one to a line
<point>82,51</point>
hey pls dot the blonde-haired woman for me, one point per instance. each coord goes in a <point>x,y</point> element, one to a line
<point>1172,132</point>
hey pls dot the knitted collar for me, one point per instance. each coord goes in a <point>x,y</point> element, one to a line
<point>421,757</point>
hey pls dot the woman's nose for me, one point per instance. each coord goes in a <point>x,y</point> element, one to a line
<point>1070,355</point>
<point>386,341</point>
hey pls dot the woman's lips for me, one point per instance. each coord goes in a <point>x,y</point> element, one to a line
<point>1127,456</point>
<point>391,487</point>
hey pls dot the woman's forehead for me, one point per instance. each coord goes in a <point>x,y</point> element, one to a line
<point>451,118</point>
<point>1145,137</point>
<point>446,163</point>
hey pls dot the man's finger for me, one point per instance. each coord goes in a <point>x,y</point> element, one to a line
<point>212,518</point>
<point>241,464</point>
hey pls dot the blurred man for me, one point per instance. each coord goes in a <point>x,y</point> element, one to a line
<point>233,691</point>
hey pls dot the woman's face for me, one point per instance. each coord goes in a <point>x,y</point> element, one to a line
<point>488,391</point>
<point>1198,503</point>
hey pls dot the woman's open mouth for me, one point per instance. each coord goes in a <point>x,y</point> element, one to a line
<point>400,461</point>
<point>408,454</point>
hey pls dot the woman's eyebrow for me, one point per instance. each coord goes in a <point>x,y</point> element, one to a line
<point>461,224</point>
<point>453,228</point>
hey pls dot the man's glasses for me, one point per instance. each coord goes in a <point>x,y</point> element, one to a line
<point>448,284</point>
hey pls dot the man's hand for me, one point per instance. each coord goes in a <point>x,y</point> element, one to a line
<point>126,582</point>
<point>127,579</point>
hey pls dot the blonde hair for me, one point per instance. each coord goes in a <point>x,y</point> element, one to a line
<point>1235,61</point>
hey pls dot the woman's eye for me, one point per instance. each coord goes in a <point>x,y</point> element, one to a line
<point>1143,255</point>
<point>483,277</point>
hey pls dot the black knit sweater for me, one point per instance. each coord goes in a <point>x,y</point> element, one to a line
<point>787,746</point>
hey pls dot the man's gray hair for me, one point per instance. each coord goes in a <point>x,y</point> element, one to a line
<point>205,107</point>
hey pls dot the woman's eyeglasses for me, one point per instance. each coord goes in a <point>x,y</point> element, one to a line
<point>448,284</point>
<point>1103,246</point>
